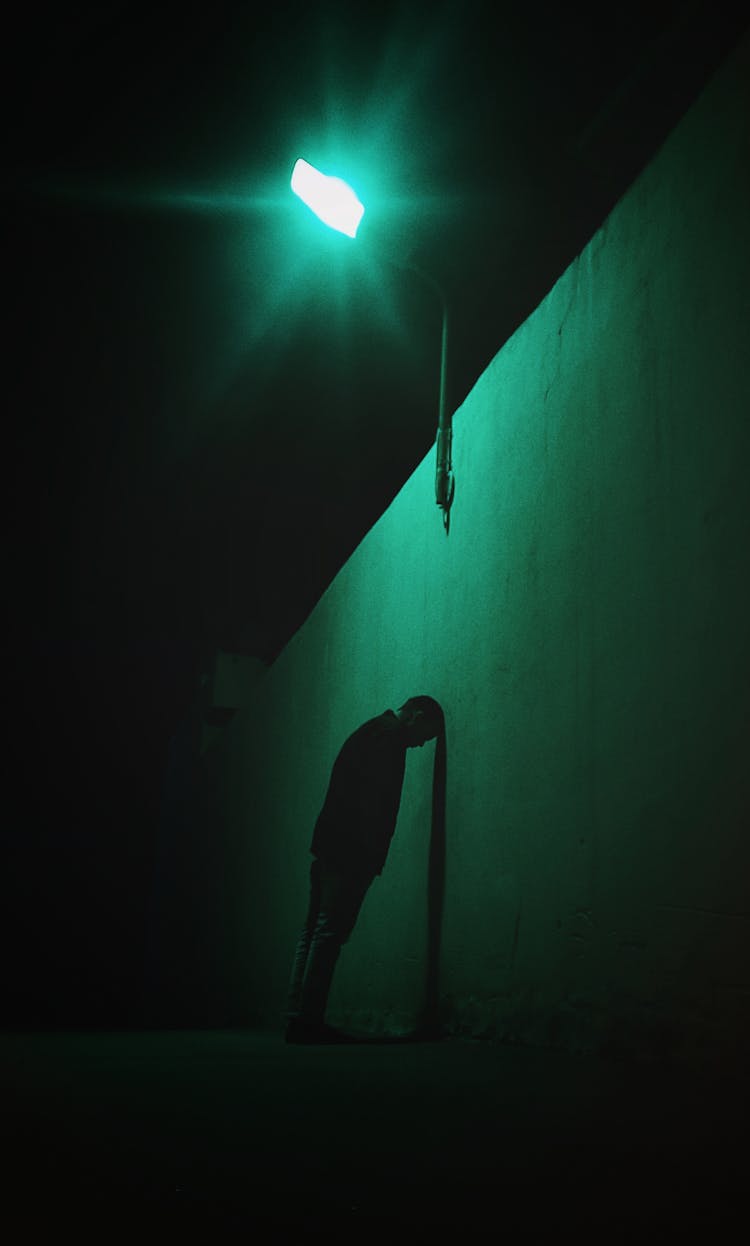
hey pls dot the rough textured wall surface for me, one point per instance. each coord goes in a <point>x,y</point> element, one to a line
<point>585,625</point>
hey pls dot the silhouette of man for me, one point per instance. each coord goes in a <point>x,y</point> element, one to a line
<point>350,843</point>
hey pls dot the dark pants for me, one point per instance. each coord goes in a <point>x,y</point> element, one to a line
<point>335,901</point>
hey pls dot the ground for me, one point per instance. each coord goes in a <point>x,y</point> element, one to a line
<point>201,1131</point>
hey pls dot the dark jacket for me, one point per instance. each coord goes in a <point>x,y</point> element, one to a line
<point>355,826</point>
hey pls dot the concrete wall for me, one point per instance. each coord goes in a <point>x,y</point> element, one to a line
<point>585,625</point>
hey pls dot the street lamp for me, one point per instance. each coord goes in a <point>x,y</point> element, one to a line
<point>328,197</point>
<point>334,201</point>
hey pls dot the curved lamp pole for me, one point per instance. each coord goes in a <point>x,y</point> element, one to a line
<point>337,205</point>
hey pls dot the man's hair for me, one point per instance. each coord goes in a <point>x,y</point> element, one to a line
<point>428,706</point>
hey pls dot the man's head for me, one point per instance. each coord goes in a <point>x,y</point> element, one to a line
<point>422,718</point>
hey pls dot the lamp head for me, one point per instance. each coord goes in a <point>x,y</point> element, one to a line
<point>330,198</point>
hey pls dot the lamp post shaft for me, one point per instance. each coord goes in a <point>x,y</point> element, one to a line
<point>444,480</point>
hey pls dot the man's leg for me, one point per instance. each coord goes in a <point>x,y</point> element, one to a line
<point>302,950</point>
<point>339,902</point>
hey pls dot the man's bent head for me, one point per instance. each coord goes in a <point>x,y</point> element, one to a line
<point>422,717</point>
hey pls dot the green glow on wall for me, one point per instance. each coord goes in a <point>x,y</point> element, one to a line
<point>330,198</point>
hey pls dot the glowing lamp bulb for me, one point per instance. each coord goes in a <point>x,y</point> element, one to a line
<point>330,198</point>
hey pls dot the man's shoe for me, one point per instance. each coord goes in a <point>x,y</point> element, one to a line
<point>303,1032</point>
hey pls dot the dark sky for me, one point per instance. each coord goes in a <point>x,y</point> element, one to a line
<point>211,398</point>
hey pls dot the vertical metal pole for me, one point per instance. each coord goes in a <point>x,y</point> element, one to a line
<point>444,481</point>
